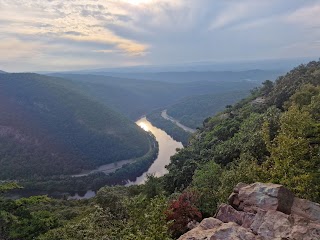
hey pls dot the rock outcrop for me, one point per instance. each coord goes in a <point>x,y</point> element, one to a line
<point>261,211</point>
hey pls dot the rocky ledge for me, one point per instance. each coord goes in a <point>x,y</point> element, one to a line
<point>261,211</point>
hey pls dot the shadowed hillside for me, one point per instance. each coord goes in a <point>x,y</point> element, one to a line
<point>134,97</point>
<point>46,128</point>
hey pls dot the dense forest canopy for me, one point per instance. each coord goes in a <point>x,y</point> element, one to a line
<point>47,128</point>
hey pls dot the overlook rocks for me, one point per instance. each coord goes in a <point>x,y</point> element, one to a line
<point>261,211</point>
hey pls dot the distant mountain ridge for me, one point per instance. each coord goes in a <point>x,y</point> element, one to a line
<point>48,128</point>
<point>255,75</point>
<point>136,97</point>
<point>282,65</point>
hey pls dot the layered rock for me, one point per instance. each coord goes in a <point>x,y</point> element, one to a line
<point>261,211</point>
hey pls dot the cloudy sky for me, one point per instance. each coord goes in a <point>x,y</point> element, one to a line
<point>81,34</point>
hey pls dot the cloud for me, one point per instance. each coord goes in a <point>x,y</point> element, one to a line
<point>231,14</point>
<point>119,32</point>
<point>75,20</point>
<point>306,16</point>
<point>13,48</point>
<point>246,14</point>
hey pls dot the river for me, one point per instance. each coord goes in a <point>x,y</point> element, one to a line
<point>167,148</point>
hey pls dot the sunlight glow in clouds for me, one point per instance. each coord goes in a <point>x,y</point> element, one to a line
<point>64,34</point>
<point>137,2</point>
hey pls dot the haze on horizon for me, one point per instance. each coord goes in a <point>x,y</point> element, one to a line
<point>62,35</point>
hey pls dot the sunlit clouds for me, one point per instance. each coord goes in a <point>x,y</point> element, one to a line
<point>61,35</point>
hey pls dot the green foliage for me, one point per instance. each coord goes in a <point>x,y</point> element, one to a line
<point>27,218</point>
<point>111,199</point>
<point>206,182</point>
<point>152,187</point>
<point>267,87</point>
<point>99,224</point>
<point>294,157</point>
<point>272,135</point>
<point>4,187</point>
<point>245,169</point>
<point>144,219</point>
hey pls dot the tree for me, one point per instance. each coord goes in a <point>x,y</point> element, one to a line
<point>294,162</point>
<point>182,211</point>
<point>206,182</point>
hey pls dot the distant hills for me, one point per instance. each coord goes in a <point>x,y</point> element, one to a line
<point>282,65</point>
<point>48,128</point>
<point>134,97</point>
<point>255,75</point>
<point>2,72</point>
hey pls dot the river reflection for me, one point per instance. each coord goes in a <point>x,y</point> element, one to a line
<point>167,148</point>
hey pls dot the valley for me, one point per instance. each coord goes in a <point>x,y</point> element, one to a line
<point>62,109</point>
<point>252,140</point>
<point>159,120</point>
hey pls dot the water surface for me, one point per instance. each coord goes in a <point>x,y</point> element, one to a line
<point>167,148</point>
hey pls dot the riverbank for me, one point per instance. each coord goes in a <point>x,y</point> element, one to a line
<point>176,122</point>
<point>113,167</point>
<point>177,133</point>
<point>167,147</point>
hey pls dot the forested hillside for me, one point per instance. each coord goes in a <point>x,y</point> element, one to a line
<point>191,111</point>
<point>46,128</point>
<point>271,136</point>
<point>135,98</point>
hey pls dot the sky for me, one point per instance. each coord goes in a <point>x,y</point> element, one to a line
<point>52,35</point>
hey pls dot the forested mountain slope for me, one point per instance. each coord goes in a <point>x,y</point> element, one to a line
<point>134,97</point>
<point>46,128</point>
<point>271,136</point>
<point>192,111</point>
